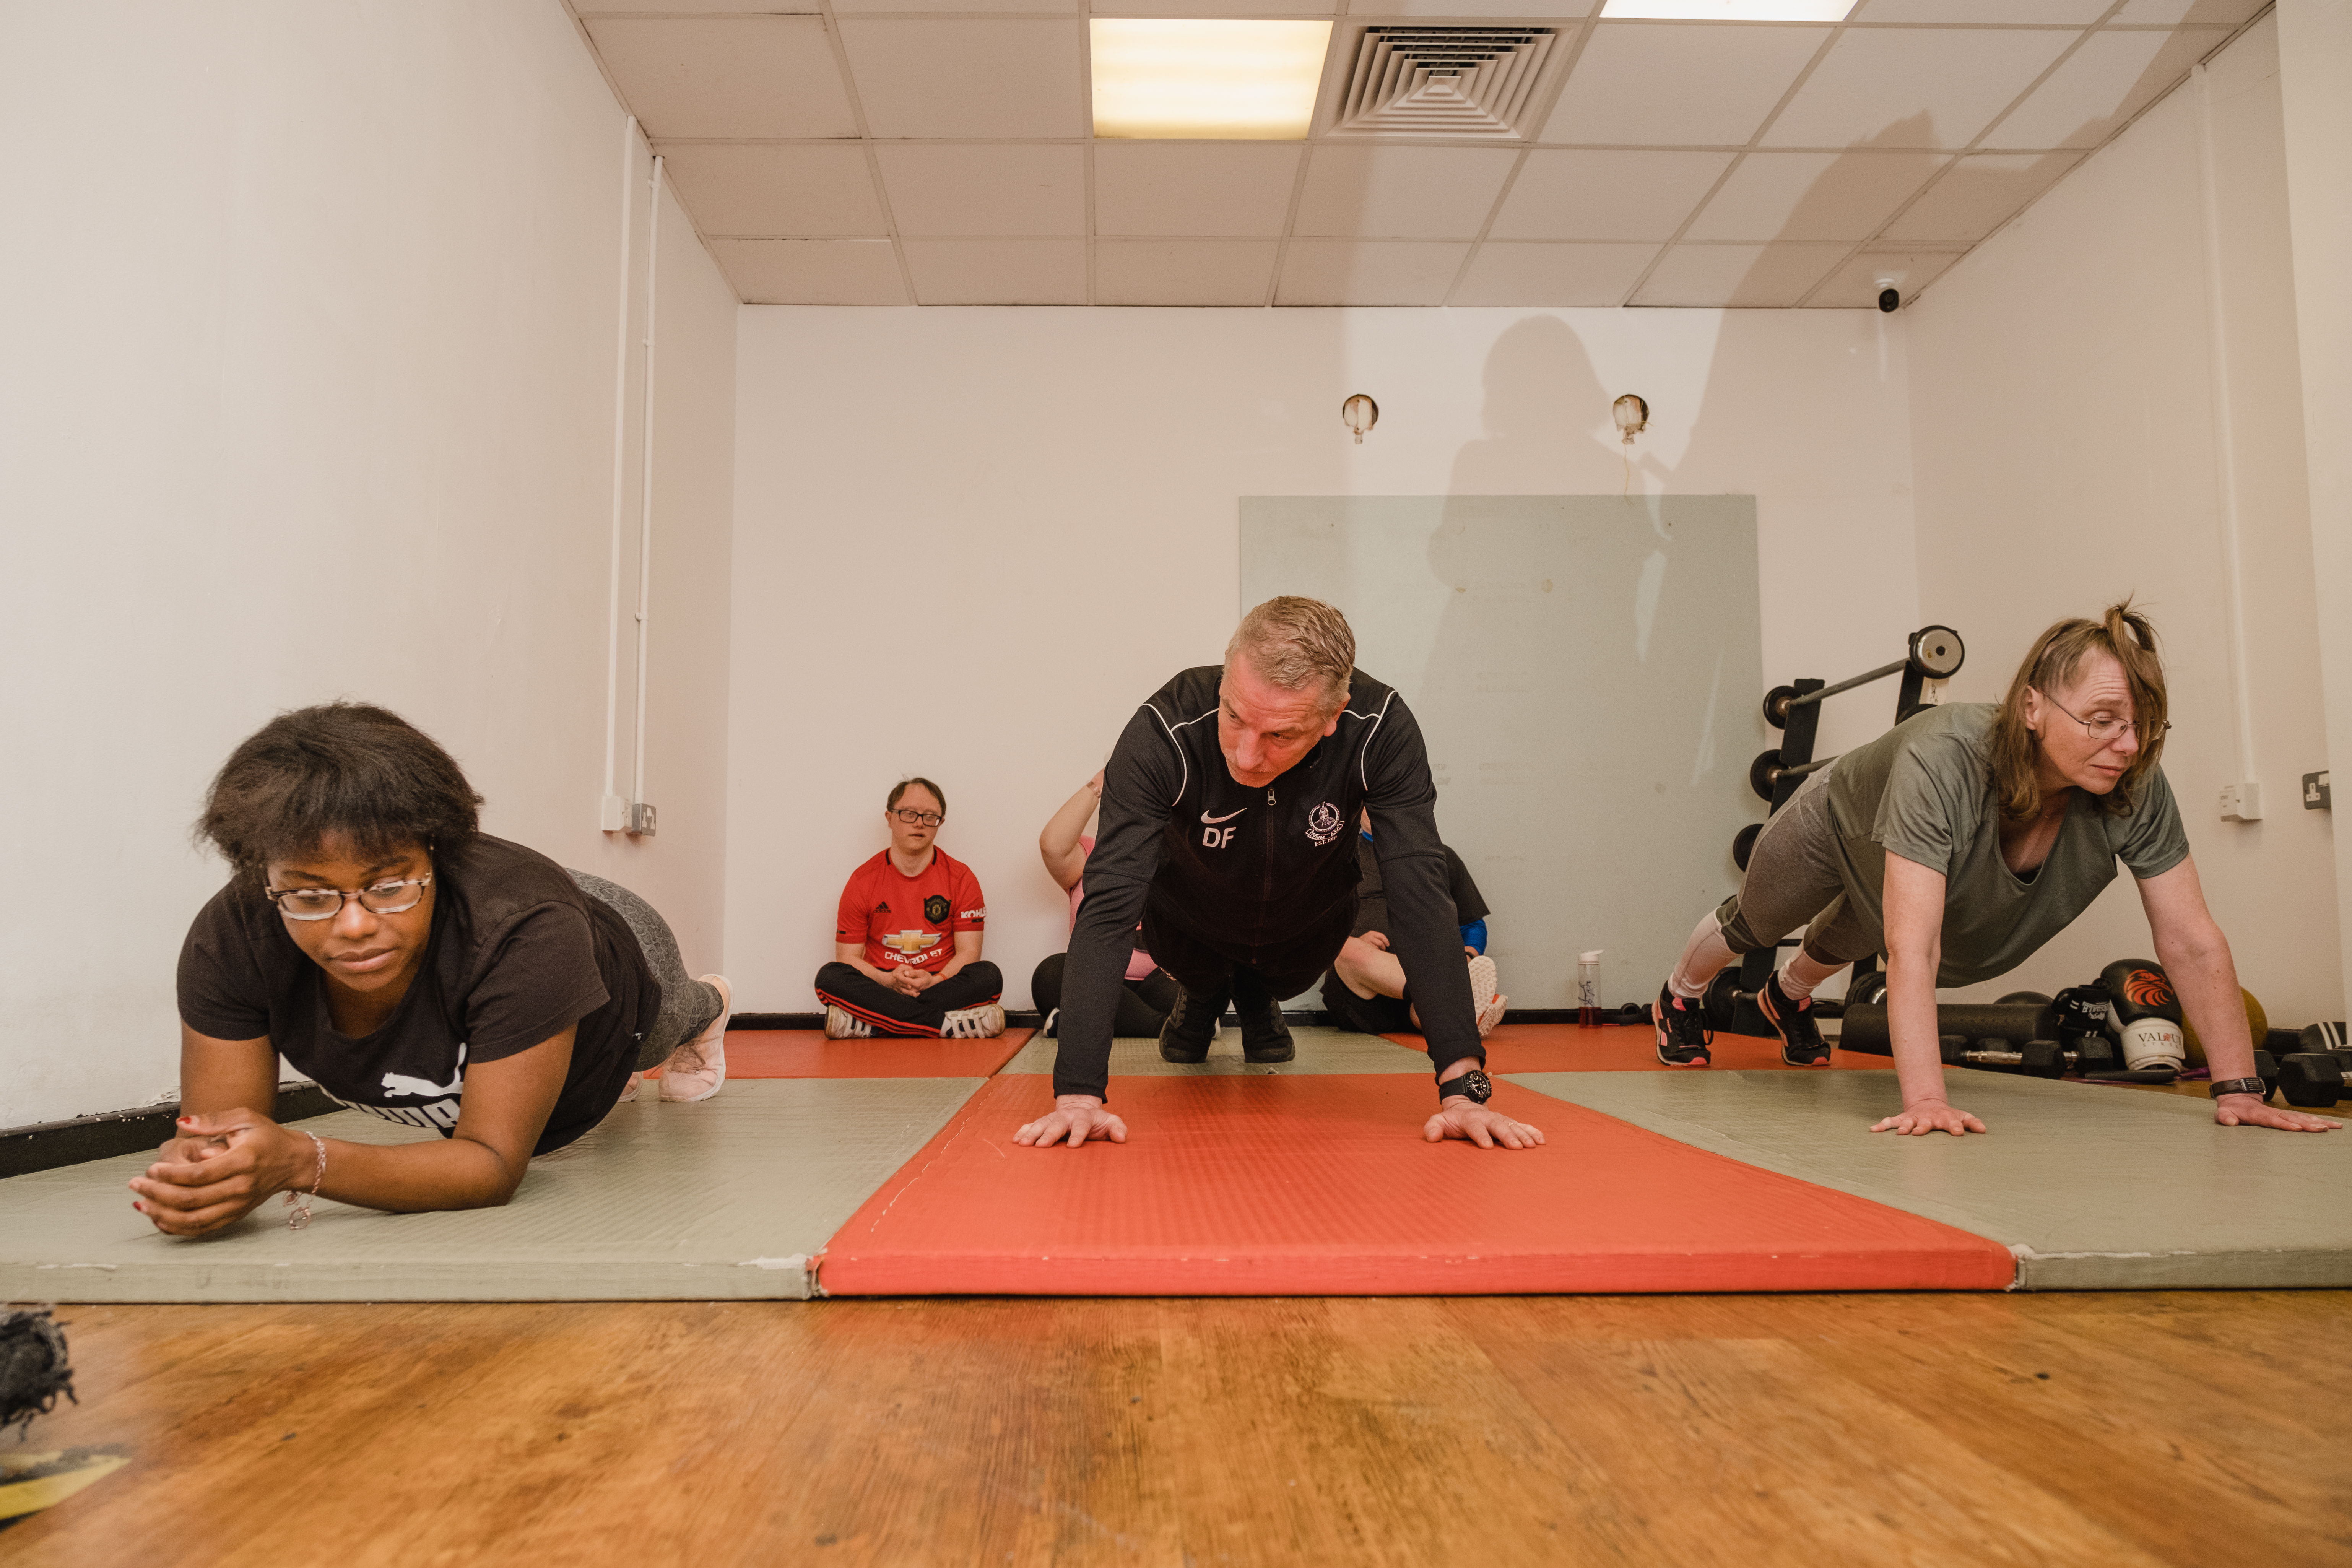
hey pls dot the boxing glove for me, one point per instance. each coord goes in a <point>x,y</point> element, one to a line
<point>2144,1015</point>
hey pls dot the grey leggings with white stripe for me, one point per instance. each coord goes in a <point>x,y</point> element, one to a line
<point>687,1004</point>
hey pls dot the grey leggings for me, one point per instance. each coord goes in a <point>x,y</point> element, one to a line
<point>689,1005</point>
<point>1796,877</point>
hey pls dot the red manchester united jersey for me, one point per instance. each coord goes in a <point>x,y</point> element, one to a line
<point>909,920</point>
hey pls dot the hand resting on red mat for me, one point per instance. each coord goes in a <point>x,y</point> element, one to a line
<point>1479,1124</point>
<point>1074,1119</point>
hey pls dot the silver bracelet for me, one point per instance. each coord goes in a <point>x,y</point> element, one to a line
<point>299,1205</point>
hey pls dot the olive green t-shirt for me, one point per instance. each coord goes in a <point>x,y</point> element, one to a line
<point>1924,790</point>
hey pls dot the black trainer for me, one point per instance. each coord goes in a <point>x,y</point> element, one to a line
<point>1684,1038</point>
<point>1802,1045</point>
<point>1192,1025</point>
<point>1265,1035</point>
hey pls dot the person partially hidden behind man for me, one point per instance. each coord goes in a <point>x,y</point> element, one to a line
<point>1365,989</point>
<point>1224,817</point>
<point>905,947</point>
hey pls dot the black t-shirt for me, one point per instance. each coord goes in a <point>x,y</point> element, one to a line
<point>1373,903</point>
<point>518,951</point>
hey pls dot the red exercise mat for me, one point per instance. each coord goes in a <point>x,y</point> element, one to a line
<point>1619,1047</point>
<point>806,1053</point>
<point>1309,1185</point>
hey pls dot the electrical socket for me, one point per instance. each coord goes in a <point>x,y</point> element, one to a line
<point>2316,795</point>
<point>2242,802</point>
<point>613,814</point>
<point>641,819</point>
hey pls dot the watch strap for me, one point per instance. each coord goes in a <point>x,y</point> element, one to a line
<point>1474,1086</point>
<point>2253,1086</point>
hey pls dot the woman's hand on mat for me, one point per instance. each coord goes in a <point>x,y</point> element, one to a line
<point>1074,1119</point>
<point>1479,1124</point>
<point>1929,1116</point>
<point>218,1170</point>
<point>2246,1111</point>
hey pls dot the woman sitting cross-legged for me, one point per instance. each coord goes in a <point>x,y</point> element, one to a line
<point>417,969</point>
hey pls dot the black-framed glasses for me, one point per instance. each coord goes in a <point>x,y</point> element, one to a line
<point>326,903</point>
<point>2103,730</point>
<point>918,819</point>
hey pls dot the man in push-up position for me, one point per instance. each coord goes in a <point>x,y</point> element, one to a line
<point>1225,810</point>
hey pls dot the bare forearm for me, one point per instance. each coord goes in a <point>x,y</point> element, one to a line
<point>1911,1022</point>
<point>2206,977</point>
<point>407,1178</point>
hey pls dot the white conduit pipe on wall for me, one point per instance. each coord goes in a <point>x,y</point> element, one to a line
<point>645,476</point>
<point>2234,607</point>
<point>611,810</point>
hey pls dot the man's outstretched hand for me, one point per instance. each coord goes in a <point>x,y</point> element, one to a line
<point>1074,1119</point>
<point>1480,1124</point>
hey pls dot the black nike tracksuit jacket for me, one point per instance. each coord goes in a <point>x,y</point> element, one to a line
<point>1249,869</point>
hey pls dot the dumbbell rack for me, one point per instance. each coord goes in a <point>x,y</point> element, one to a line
<point>1934,653</point>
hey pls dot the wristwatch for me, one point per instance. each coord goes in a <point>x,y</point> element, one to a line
<point>2253,1086</point>
<point>1474,1086</point>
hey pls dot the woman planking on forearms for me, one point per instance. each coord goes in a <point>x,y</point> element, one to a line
<point>417,969</point>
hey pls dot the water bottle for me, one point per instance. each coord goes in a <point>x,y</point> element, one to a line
<point>1587,990</point>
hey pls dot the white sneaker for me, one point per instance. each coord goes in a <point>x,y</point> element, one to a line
<point>636,1081</point>
<point>697,1069</point>
<point>985,1022</point>
<point>1483,994</point>
<point>842,1025</point>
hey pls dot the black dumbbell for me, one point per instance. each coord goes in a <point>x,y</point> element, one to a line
<point>2035,1058</point>
<point>2311,1078</point>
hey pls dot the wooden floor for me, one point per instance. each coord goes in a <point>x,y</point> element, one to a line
<point>2191,1428</point>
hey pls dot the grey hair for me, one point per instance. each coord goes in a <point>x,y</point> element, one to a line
<point>1297,644</point>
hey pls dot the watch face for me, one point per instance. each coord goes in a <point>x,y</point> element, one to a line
<point>1475,1084</point>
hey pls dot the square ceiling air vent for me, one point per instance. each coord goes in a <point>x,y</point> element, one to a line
<point>1474,83</point>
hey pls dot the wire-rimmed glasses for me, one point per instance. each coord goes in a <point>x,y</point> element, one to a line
<point>326,903</point>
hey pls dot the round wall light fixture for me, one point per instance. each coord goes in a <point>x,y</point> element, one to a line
<point>1359,414</point>
<point>1633,415</point>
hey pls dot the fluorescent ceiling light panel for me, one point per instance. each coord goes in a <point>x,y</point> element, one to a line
<point>1236,80</point>
<point>1729,10</point>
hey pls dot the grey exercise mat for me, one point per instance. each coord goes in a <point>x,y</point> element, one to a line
<point>1321,1050</point>
<point>2093,1188</point>
<point>720,1200</point>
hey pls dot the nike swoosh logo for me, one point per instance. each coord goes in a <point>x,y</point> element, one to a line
<point>1227,817</point>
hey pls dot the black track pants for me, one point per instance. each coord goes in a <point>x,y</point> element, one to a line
<point>892,1012</point>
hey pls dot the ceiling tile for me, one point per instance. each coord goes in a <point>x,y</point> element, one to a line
<point>1738,275</point>
<point>750,76</point>
<point>998,271</point>
<point>1214,7</point>
<point>1400,193</point>
<point>1563,195</point>
<point>820,188</point>
<point>952,77</point>
<point>1901,86</point>
<point>935,189</point>
<point>1640,84</point>
<point>1812,195</point>
<point>1518,10</point>
<point>1183,272</point>
<point>1979,195</point>
<point>969,8</point>
<point>1368,272</point>
<point>2110,78</point>
<point>1984,13</point>
<point>1195,187</point>
<point>811,272</point>
<point>1856,284</point>
<point>2169,13</point>
<point>698,7</point>
<point>1549,272</point>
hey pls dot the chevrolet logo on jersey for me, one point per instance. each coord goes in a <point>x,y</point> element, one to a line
<point>911,943</point>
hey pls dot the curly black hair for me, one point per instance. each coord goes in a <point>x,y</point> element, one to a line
<point>350,770</point>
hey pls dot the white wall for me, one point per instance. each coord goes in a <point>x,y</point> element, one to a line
<point>2064,401</point>
<point>311,320</point>
<point>969,542</point>
<point>2316,61</point>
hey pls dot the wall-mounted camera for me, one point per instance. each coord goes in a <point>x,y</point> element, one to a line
<point>1890,292</point>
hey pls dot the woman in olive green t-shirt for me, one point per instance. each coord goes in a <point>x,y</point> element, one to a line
<point>1960,842</point>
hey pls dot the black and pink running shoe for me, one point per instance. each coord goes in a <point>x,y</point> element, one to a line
<point>1684,1038</point>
